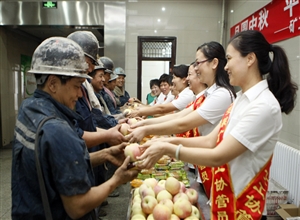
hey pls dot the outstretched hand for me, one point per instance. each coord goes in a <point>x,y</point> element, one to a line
<point>124,175</point>
<point>152,151</point>
<point>136,135</point>
<point>115,136</point>
<point>116,154</point>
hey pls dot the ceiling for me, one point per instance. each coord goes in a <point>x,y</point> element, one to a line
<point>41,32</point>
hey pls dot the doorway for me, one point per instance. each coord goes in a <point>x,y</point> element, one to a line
<point>156,55</point>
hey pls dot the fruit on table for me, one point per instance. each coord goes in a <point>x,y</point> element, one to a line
<point>146,204</point>
<point>182,208</point>
<point>172,185</point>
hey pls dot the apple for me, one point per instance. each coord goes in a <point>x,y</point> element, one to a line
<point>182,187</point>
<point>192,194</point>
<point>127,111</point>
<point>136,205</point>
<point>161,212</point>
<point>136,191</point>
<point>162,183</point>
<point>151,182</point>
<point>150,217</point>
<point>137,198</point>
<point>182,208</point>
<point>191,218</point>
<point>195,211</point>
<point>157,189</point>
<point>180,195</point>
<point>172,185</point>
<point>137,210</point>
<point>124,128</point>
<point>148,204</point>
<point>164,194</point>
<point>174,217</point>
<point>146,190</point>
<point>138,217</point>
<point>168,203</point>
<point>132,121</point>
<point>133,151</point>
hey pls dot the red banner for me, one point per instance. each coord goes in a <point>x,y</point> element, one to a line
<point>278,20</point>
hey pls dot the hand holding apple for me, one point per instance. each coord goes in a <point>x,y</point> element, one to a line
<point>133,151</point>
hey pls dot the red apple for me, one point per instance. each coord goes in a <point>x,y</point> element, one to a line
<point>192,194</point>
<point>124,128</point>
<point>172,185</point>
<point>133,151</point>
<point>161,212</point>
<point>148,204</point>
<point>182,208</point>
<point>180,195</point>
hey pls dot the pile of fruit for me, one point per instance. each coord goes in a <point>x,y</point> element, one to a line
<point>164,200</point>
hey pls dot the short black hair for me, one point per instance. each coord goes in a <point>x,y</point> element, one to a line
<point>181,71</point>
<point>165,78</point>
<point>154,82</point>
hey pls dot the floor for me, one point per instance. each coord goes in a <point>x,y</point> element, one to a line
<point>116,209</point>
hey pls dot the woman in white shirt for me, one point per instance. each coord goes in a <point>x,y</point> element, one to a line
<point>209,65</point>
<point>185,96</point>
<point>248,132</point>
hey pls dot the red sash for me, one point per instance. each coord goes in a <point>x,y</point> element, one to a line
<point>250,203</point>
<point>193,132</point>
<point>204,172</point>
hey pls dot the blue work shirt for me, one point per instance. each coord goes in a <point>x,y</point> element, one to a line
<point>63,155</point>
<point>92,118</point>
<point>121,100</point>
<point>109,102</point>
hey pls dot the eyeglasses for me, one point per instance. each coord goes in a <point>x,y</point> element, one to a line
<point>197,63</point>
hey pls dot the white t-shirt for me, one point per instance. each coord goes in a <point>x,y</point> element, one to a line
<point>184,98</point>
<point>158,100</point>
<point>196,97</point>
<point>217,100</point>
<point>255,121</point>
<point>168,98</point>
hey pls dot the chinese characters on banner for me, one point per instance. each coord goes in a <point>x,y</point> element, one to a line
<point>278,20</point>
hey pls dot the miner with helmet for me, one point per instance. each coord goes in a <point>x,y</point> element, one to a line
<point>66,166</point>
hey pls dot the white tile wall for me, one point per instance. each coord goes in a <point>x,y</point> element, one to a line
<point>192,22</point>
